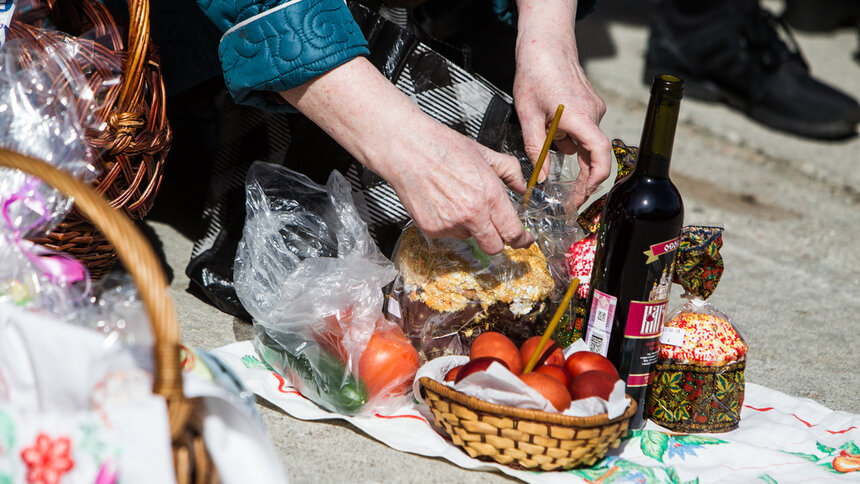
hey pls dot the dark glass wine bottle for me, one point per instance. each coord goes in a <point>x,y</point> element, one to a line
<point>639,233</point>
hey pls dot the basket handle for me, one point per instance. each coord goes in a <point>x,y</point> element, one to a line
<point>137,45</point>
<point>140,260</point>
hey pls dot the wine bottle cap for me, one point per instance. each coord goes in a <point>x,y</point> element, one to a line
<point>668,84</point>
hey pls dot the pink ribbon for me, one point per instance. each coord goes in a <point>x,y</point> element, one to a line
<point>107,473</point>
<point>57,267</point>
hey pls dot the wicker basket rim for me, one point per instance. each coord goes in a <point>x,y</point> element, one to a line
<point>526,414</point>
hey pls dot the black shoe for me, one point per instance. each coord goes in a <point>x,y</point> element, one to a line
<point>821,15</point>
<point>733,53</point>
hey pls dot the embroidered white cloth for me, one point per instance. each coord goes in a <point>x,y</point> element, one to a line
<point>73,410</point>
<point>781,438</point>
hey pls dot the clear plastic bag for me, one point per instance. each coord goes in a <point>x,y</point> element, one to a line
<point>47,107</point>
<point>448,291</point>
<point>45,110</point>
<point>699,377</point>
<point>311,277</point>
<point>115,310</point>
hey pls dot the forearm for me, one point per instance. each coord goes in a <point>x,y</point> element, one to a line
<point>549,23</point>
<point>360,109</point>
<point>450,184</point>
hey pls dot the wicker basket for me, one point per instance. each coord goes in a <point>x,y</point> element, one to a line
<point>138,135</point>
<point>192,462</point>
<point>523,439</point>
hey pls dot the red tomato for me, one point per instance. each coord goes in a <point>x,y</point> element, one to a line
<point>549,387</point>
<point>582,361</point>
<point>388,364</point>
<point>593,383</point>
<point>556,372</point>
<point>476,365</point>
<point>498,346</point>
<point>551,355</point>
<point>452,373</point>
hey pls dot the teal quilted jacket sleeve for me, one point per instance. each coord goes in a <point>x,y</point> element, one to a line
<point>273,45</point>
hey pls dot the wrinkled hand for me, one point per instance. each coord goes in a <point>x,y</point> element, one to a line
<point>452,186</point>
<point>548,74</point>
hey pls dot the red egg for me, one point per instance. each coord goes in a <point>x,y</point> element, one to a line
<point>476,365</point>
<point>549,387</point>
<point>499,346</point>
<point>593,383</point>
<point>452,373</point>
<point>556,372</point>
<point>582,361</point>
<point>551,355</point>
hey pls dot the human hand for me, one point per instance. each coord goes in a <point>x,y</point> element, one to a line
<point>451,185</point>
<point>548,73</point>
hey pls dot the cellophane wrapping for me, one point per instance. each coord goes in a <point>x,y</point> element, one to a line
<point>311,277</point>
<point>448,291</point>
<point>45,110</point>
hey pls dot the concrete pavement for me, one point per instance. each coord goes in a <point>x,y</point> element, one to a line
<point>791,209</point>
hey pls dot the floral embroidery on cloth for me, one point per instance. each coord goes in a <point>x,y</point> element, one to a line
<point>47,459</point>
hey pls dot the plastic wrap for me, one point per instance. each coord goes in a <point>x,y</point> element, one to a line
<point>699,376</point>
<point>448,291</point>
<point>311,277</point>
<point>114,309</point>
<point>45,109</point>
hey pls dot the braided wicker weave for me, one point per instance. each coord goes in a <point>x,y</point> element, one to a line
<point>523,439</point>
<point>138,135</point>
<point>190,457</point>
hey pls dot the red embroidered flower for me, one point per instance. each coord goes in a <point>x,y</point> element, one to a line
<point>47,460</point>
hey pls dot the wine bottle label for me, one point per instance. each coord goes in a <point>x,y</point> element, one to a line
<point>656,250</point>
<point>644,323</point>
<point>600,322</point>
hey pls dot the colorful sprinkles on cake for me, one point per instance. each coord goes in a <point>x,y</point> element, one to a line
<point>707,339</point>
<point>581,260</point>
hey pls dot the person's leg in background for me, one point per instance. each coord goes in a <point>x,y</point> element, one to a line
<point>734,51</point>
<point>824,16</point>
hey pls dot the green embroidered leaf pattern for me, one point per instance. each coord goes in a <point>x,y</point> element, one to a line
<point>824,448</point>
<point>7,431</point>
<point>673,474</point>
<point>654,444</point>
<point>627,467</point>
<point>591,475</point>
<point>671,380</point>
<point>91,443</point>
<point>5,479</point>
<point>769,480</point>
<point>694,481</point>
<point>698,440</point>
<point>828,466</point>
<point>251,362</point>
<point>850,447</point>
<point>809,457</point>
